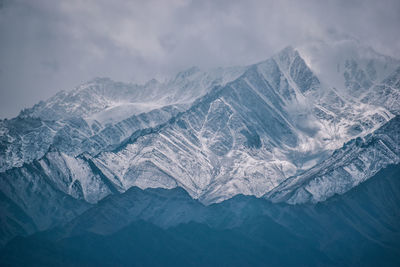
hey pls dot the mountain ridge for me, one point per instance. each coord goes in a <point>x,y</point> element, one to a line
<point>243,130</point>
<point>266,231</point>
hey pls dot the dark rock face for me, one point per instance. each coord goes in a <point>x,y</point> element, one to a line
<point>167,227</point>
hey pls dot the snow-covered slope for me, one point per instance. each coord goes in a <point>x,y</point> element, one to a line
<point>349,166</point>
<point>273,122</point>
<point>268,129</point>
<point>107,101</point>
<point>32,202</point>
<point>386,93</point>
<point>27,138</point>
<point>347,65</point>
<point>247,130</point>
<point>101,113</point>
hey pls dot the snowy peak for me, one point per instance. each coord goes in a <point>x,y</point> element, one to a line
<point>216,133</point>
<point>348,166</point>
<point>347,65</point>
<point>102,95</point>
<point>243,138</point>
<point>298,127</point>
<point>101,114</point>
<point>286,56</point>
<point>83,101</point>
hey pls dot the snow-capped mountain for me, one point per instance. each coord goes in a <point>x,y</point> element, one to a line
<point>275,129</point>
<point>347,65</point>
<point>101,113</point>
<point>348,166</point>
<point>271,123</point>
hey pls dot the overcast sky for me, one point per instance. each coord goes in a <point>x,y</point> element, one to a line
<point>47,45</point>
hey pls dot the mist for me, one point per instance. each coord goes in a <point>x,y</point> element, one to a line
<point>47,46</point>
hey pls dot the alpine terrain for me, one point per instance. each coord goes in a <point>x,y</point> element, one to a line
<point>293,160</point>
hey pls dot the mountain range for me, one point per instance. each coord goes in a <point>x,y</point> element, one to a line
<point>247,152</point>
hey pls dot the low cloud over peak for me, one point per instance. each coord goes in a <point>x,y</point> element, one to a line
<point>52,45</point>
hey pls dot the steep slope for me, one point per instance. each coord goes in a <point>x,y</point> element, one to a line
<point>386,93</point>
<point>41,189</point>
<point>26,138</point>
<point>347,65</point>
<point>33,202</point>
<point>101,113</point>
<point>272,122</point>
<point>97,98</point>
<point>13,221</point>
<point>162,207</point>
<point>361,227</point>
<point>357,161</point>
<point>248,130</point>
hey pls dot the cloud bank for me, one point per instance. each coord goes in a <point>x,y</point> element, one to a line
<point>47,45</point>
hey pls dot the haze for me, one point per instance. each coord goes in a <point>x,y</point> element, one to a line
<point>47,46</point>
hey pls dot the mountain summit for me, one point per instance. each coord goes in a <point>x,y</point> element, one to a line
<point>276,129</point>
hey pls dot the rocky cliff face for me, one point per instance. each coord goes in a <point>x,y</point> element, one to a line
<point>101,114</point>
<point>273,129</point>
<point>355,162</point>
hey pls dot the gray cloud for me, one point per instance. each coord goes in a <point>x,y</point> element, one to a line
<point>51,45</point>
